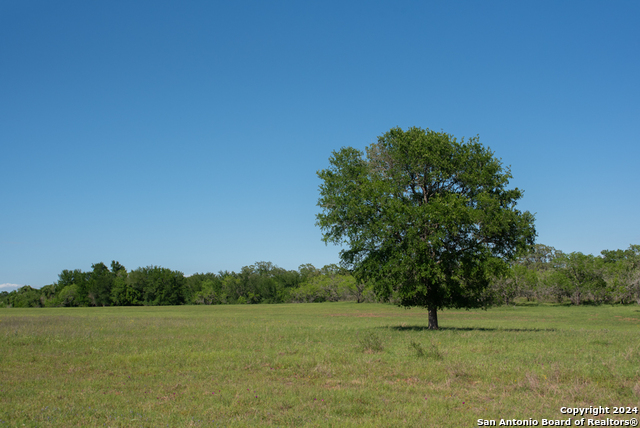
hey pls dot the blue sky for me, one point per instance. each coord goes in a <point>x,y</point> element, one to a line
<point>188,134</point>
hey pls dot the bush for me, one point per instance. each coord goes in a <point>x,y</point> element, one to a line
<point>330,288</point>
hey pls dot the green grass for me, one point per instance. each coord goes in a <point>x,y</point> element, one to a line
<point>330,364</point>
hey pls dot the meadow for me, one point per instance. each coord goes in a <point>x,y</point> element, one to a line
<point>319,364</point>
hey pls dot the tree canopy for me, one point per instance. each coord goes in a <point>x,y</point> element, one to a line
<point>425,218</point>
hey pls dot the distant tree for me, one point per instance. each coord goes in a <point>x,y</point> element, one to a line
<point>116,267</point>
<point>158,285</point>
<point>127,291</point>
<point>68,296</point>
<point>325,288</point>
<point>527,276</point>
<point>4,299</point>
<point>25,297</point>
<point>198,282</point>
<point>333,269</point>
<point>356,288</point>
<point>170,288</point>
<point>81,281</point>
<point>424,217</point>
<point>262,282</point>
<point>100,283</point>
<point>622,273</point>
<point>308,271</point>
<point>540,257</point>
<point>516,282</point>
<point>580,277</point>
<point>47,293</point>
<point>122,293</point>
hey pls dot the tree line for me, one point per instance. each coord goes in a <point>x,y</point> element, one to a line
<point>262,282</point>
<point>544,274</point>
<point>548,275</point>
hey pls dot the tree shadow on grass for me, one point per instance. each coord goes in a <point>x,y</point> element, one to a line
<point>425,328</point>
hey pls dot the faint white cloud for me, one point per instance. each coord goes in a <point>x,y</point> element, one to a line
<point>9,287</point>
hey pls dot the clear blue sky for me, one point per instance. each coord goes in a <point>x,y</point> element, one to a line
<point>188,134</point>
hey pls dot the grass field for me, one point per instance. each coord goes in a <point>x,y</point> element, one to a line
<point>329,364</point>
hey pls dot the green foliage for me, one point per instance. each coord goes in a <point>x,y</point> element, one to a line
<point>24,297</point>
<point>526,276</point>
<point>548,275</point>
<point>210,293</point>
<point>262,282</point>
<point>622,272</point>
<point>308,271</point>
<point>542,275</point>
<point>125,292</point>
<point>516,282</point>
<point>158,286</point>
<point>68,297</point>
<point>48,291</point>
<point>99,285</point>
<point>425,218</point>
<point>80,280</point>
<point>325,288</point>
<point>195,284</point>
<point>580,277</point>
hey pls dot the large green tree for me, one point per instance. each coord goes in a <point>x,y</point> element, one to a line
<point>424,217</point>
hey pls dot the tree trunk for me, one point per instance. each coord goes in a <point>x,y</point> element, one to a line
<point>433,318</point>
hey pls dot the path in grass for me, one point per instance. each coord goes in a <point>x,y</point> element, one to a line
<point>330,364</point>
